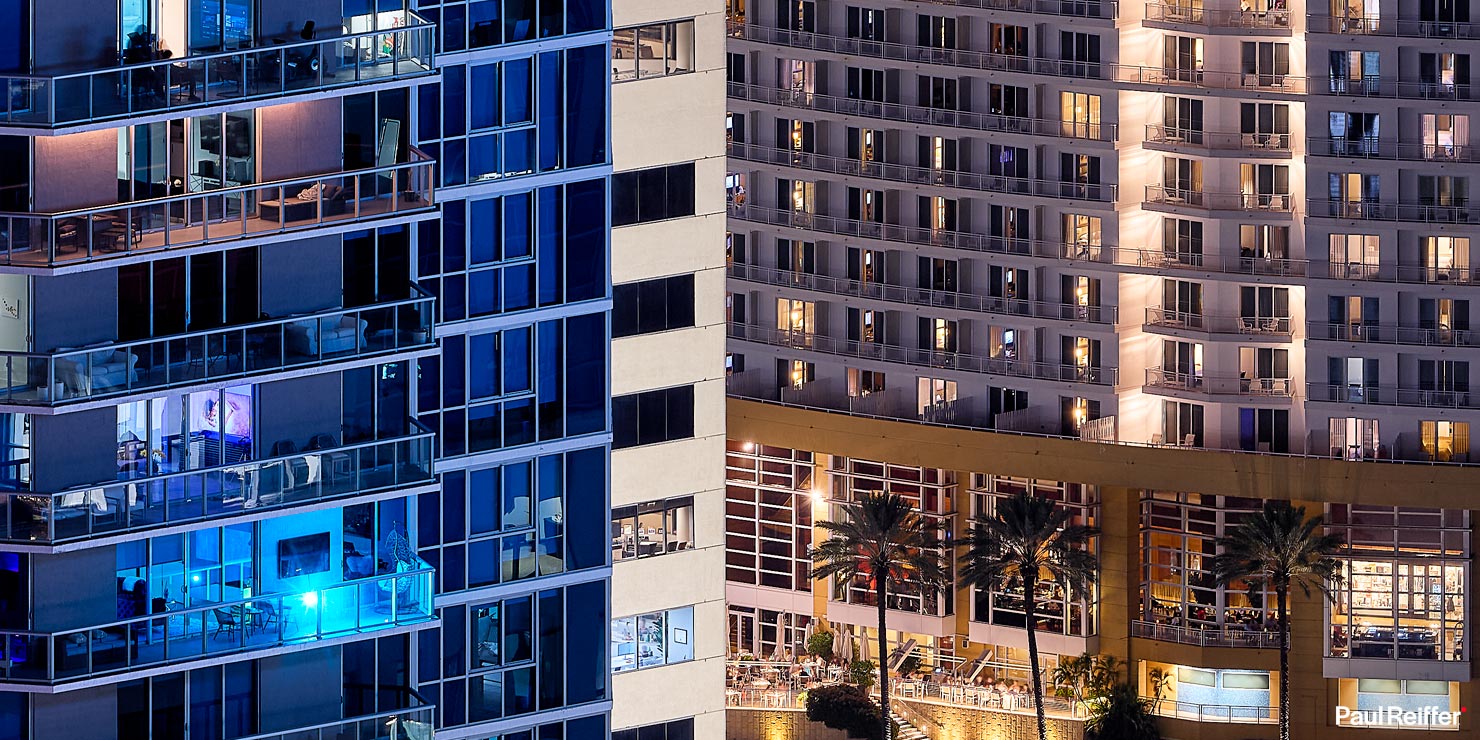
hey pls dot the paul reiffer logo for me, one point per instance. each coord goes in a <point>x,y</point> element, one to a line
<point>1397,717</point>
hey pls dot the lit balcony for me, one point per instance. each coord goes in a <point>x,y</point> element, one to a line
<point>926,358</point>
<point>1371,148</point>
<point>1389,273</point>
<point>195,81</point>
<point>1356,26</point>
<point>1391,395</point>
<point>903,173</point>
<point>1277,328</point>
<point>1459,211</point>
<point>1374,333</point>
<point>1216,143</point>
<point>1160,197</point>
<point>349,609</point>
<point>1234,637</point>
<point>1170,382</point>
<point>832,394</point>
<point>923,296</point>
<point>233,215</point>
<point>118,368</point>
<point>1377,87</point>
<point>897,113</point>
<point>1177,16</point>
<point>213,494</point>
<point>1209,80</point>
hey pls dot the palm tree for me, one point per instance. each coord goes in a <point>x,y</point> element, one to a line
<point>880,538</point>
<point>1029,540</point>
<point>1276,549</point>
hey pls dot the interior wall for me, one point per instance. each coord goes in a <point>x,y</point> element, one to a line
<point>74,34</point>
<point>299,689</point>
<point>300,139</point>
<point>299,525</point>
<point>56,715</point>
<point>88,581</point>
<point>285,20</point>
<point>76,170</point>
<point>307,275</point>
<point>15,313</point>
<point>74,448</point>
<point>298,409</point>
<point>81,309</point>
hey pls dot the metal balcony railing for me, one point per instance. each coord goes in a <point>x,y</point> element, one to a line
<point>1274,326</point>
<point>1386,273</point>
<point>410,723</point>
<point>1373,333</point>
<point>197,81</point>
<point>1392,27</point>
<point>1217,140</point>
<point>116,368</point>
<point>165,499</point>
<point>940,359</point>
<point>1378,87</point>
<point>1211,637</point>
<point>1249,202</point>
<point>1248,20</point>
<point>904,113</point>
<point>1460,211</point>
<point>1217,713</point>
<point>361,606</point>
<point>1390,395</point>
<point>906,295</point>
<point>101,233</point>
<point>1217,385</point>
<point>1371,148</point>
<point>903,173</point>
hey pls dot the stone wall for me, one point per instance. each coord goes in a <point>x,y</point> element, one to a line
<point>776,724</point>
<point>963,723</point>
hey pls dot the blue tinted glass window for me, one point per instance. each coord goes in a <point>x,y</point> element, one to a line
<point>551,660</point>
<point>552,18</point>
<point>453,120</point>
<point>585,240</point>
<point>454,162</point>
<point>518,422</point>
<point>519,152</point>
<point>454,18</point>
<point>483,157</point>
<point>483,293</point>
<point>518,287</point>
<point>429,112</point>
<point>550,106</point>
<point>549,212</point>
<point>517,226</point>
<point>483,95</point>
<point>585,357</point>
<point>547,389</point>
<point>586,523</point>
<point>454,298</point>
<point>483,563</point>
<point>483,366</point>
<point>517,104</point>
<point>483,428</point>
<point>483,501</point>
<point>518,20</point>
<point>484,28</point>
<point>453,237</point>
<point>586,631</point>
<point>585,15</point>
<point>484,231</point>
<point>452,371</point>
<point>587,78</point>
<point>516,358</point>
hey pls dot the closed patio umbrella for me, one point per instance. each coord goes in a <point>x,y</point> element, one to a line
<point>845,643</point>
<point>780,636</point>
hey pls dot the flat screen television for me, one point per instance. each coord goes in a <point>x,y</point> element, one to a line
<point>301,556</point>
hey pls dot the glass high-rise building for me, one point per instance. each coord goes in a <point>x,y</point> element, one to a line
<point>330,323</point>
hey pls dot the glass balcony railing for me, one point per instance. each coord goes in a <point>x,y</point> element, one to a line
<point>202,80</point>
<point>412,723</point>
<point>209,494</point>
<point>116,368</point>
<point>104,233</point>
<point>345,609</point>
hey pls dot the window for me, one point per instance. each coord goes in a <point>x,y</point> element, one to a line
<point>1441,380</point>
<point>863,382</point>
<point>653,194</point>
<point>1061,611</point>
<point>652,528</point>
<point>651,417</point>
<point>1080,113</point>
<point>937,32</point>
<point>795,373</point>
<point>1442,72</point>
<point>1265,63</point>
<point>1263,242</point>
<point>1354,134</point>
<point>657,50</point>
<point>1182,424</point>
<point>1445,258</point>
<point>1008,100</point>
<point>1179,532</point>
<point>865,205</point>
<point>653,306</point>
<point>1355,72</point>
<point>1354,438</point>
<point>867,325</point>
<point>1354,256</point>
<point>679,729</point>
<point>1444,320</point>
<point>1182,180</point>
<point>1182,241</point>
<point>865,84</point>
<point>938,92</point>
<point>1082,356</point>
<point>865,23</point>
<point>1353,195</point>
<point>1351,379</point>
<point>797,316</point>
<point>1082,236</point>
<point>933,393</point>
<point>1080,174</point>
<point>1181,364</point>
<point>1264,186</point>
<point>1352,318</point>
<point>1445,441</point>
<point>798,15</point>
<point>1182,120</point>
<point>1181,303</point>
<point>939,335</point>
<point>1264,430</point>
<point>1264,371</point>
<point>1182,58</point>
<point>1265,124</point>
<point>1008,225</point>
<point>768,518</point>
<point>1008,40</point>
<point>1445,136</point>
<point>866,145</point>
<point>1264,309</point>
<point>1081,51</point>
<point>651,640</point>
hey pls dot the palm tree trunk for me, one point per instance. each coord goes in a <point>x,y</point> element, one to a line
<point>1284,617</point>
<point>882,592</point>
<point>1030,611</point>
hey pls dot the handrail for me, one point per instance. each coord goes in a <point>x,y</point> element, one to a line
<point>423,714</point>
<point>1157,133</point>
<point>1103,9</point>
<point>1388,333</point>
<point>964,301</point>
<point>1217,385</point>
<point>133,90</point>
<point>1215,201</point>
<point>906,113</point>
<point>1218,324</point>
<point>1374,210</point>
<point>1392,395</point>
<point>1392,27</point>
<point>1373,148</point>
<point>104,232</point>
<point>348,607</point>
<point>1390,273</point>
<point>939,359</point>
<point>119,367</point>
<point>925,724</point>
<point>159,500</point>
<point>1199,16</point>
<point>1224,713</point>
<point>896,173</point>
<point>1205,637</point>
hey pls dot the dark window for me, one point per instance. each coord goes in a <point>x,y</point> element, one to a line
<point>653,194</point>
<point>653,305</point>
<point>653,416</point>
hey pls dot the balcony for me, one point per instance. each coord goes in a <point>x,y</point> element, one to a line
<point>1212,637</point>
<point>923,296</point>
<point>917,54</point>
<point>349,609</point>
<point>117,368</point>
<point>1374,333</point>
<point>897,113</point>
<point>227,216</point>
<point>1391,27</point>
<point>1214,713</point>
<point>175,86</point>
<point>1174,16</point>
<point>1254,327</point>
<point>1415,274</point>
<point>1460,212</point>
<point>1216,143</point>
<point>1326,146</point>
<point>1390,395</point>
<point>1376,87</point>
<point>212,494</point>
<point>1271,203</point>
<point>927,358</point>
<point>1159,380</point>
<point>1105,9</point>
<point>1163,259</point>
<point>1210,80</point>
<point>401,724</point>
<point>902,173</point>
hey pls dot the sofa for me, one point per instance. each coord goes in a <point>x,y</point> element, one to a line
<point>325,336</point>
<point>97,370</point>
